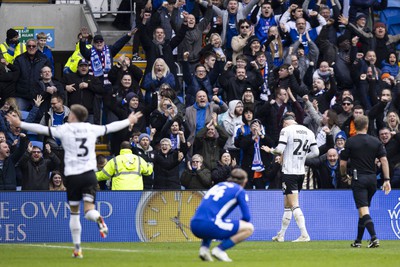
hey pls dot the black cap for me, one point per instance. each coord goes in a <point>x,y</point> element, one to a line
<point>83,62</point>
<point>347,99</point>
<point>97,38</point>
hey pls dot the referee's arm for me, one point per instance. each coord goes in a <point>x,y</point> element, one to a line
<point>385,169</point>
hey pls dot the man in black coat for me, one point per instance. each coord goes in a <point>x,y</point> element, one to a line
<point>8,77</point>
<point>29,66</point>
<point>159,46</point>
<point>82,87</point>
<point>8,176</point>
<point>36,169</point>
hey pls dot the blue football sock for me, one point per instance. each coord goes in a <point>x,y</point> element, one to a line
<point>226,244</point>
<point>206,243</point>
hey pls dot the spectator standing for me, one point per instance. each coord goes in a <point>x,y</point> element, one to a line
<point>45,49</point>
<point>145,151</point>
<point>12,47</point>
<point>56,182</point>
<point>36,169</point>
<point>8,78</point>
<point>8,176</point>
<point>196,176</point>
<point>29,65</point>
<point>209,141</point>
<point>82,88</point>
<point>166,162</point>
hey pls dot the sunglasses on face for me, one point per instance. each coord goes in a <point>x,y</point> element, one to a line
<point>244,27</point>
<point>346,104</point>
<point>31,46</point>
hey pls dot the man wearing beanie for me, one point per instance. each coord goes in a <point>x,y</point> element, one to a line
<point>145,150</point>
<point>12,48</point>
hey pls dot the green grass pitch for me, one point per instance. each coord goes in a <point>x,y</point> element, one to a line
<point>252,254</point>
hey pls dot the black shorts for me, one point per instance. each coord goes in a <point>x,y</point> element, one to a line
<point>292,183</point>
<point>82,186</point>
<point>364,189</point>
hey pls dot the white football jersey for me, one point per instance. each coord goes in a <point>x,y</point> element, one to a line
<point>295,142</point>
<point>79,143</point>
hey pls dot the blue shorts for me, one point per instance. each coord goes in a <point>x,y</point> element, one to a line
<point>214,230</point>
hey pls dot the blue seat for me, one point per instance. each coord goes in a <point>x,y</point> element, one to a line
<point>394,3</point>
<point>390,16</point>
<point>394,29</point>
<point>33,136</point>
<point>38,144</point>
<point>24,114</point>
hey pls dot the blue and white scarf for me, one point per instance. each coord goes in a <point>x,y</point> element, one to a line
<point>257,164</point>
<point>333,173</point>
<point>97,62</point>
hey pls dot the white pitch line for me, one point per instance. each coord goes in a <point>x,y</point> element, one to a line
<point>84,248</point>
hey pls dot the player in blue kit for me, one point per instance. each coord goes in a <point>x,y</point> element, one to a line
<point>210,221</point>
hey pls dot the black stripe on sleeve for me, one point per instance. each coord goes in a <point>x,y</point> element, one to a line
<point>281,142</point>
<point>105,130</point>
<point>313,144</point>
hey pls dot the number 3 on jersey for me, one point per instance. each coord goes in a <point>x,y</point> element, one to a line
<point>83,150</point>
<point>305,147</point>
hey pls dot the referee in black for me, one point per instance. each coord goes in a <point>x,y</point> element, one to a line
<point>362,150</point>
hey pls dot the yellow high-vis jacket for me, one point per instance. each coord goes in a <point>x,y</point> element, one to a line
<point>126,171</point>
<point>73,60</point>
<point>10,53</point>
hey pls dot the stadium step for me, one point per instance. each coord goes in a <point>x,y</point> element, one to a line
<point>102,149</point>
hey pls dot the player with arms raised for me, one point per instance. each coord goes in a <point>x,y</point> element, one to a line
<point>210,221</point>
<point>296,143</point>
<point>78,139</point>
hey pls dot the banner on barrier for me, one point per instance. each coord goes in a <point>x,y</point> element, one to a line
<point>162,216</point>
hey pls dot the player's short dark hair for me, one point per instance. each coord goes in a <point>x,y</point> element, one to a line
<point>361,122</point>
<point>237,176</point>
<point>80,112</point>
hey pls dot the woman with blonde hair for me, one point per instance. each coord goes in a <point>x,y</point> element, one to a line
<point>160,73</point>
<point>56,182</point>
<point>214,45</point>
<point>393,122</point>
<point>275,46</point>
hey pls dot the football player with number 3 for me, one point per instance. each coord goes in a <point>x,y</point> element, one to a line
<point>296,143</point>
<point>78,139</point>
<point>209,221</point>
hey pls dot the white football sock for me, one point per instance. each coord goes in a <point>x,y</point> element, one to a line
<point>92,215</point>
<point>76,229</point>
<point>301,222</point>
<point>286,218</point>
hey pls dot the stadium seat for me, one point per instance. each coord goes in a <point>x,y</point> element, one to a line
<point>24,114</point>
<point>390,16</point>
<point>75,2</point>
<point>98,5</point>
<point>394,3</point>
<point>33,136</point>
<point>394,29</point>
<point>38,144</point>
<point>114,5</point>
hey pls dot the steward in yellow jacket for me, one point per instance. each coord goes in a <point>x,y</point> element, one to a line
<point>12,48</point>
<point>125,170</point>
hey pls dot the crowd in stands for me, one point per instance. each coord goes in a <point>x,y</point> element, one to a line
<point>245,65</point>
